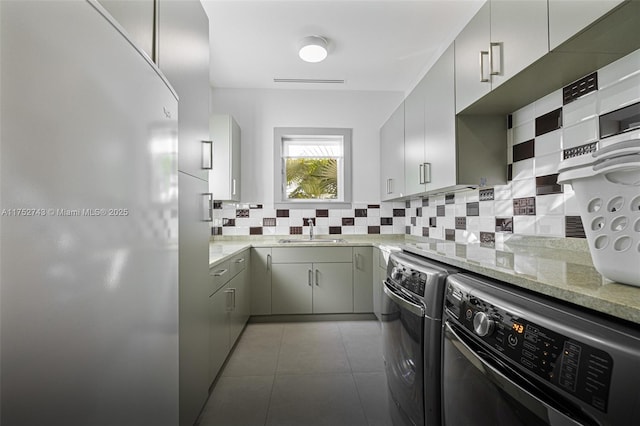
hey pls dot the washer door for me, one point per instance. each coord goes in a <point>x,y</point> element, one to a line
<point>402,332</point>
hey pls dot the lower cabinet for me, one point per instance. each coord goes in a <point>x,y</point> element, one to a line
<point>380,261</point>
<point>229,308</point>
<point>362,279</point>
<point>260,281</point>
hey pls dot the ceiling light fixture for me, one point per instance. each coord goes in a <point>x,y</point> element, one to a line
<point>313,49</point>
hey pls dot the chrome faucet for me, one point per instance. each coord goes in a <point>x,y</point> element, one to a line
<point>310,223</point>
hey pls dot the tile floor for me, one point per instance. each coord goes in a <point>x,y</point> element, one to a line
<point>327,373</point>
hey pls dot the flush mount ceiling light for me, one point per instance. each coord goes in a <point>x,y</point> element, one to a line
<point>313,49</point>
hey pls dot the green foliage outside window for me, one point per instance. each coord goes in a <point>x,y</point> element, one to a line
<point>312,178</point>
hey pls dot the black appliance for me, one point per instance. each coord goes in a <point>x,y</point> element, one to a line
<point>511,358</point>
<point>412,329</point>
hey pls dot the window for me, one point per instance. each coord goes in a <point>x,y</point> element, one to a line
<point>312,167</point>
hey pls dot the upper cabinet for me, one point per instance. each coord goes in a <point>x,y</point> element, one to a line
<point>414,142</point>
<point>224,179</point>
<point>502,39</point>
<point>392,156</point>
<point>137,18</point>
<point>567,18</point>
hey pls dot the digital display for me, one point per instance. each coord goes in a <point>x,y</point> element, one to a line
<point>518,328</point>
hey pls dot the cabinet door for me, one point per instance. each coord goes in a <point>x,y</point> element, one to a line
<point>567,18</point>
<point>332,288</point>
<point>472,50</point>
<point>260,281</point>
<point>219,307</point>
<point>392,156</point>
<point>362,279</point>
<point>291,288</point>
<point>224,180</point>
<point>136,17</point>
<point>235,161</point>
<point>414,131</point>
<point>188,72</point>
<point>376,286</point>
<point>238,315</point>
<point>519,36</point>
<point>440,167</point>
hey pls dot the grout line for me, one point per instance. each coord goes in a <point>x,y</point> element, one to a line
<point>275,375</point>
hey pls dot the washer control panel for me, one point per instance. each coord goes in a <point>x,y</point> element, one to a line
<point>575,367</point>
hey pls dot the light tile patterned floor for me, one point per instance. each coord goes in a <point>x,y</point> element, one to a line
<point>327,373</point>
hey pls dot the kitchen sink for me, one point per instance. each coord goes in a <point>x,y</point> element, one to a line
<point>313,241</point>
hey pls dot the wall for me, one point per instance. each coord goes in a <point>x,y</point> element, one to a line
<point>540,135</point>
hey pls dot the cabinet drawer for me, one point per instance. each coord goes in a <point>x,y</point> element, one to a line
<point>238,263</point>
<point>220,275</point>
<point>311,254</point>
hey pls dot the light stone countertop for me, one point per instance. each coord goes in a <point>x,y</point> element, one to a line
<point>560,268</point>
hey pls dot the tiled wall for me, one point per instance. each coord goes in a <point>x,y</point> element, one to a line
<point>560,125</point>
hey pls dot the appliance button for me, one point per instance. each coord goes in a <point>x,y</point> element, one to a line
<point>469,314</point>
<point>482,324</point>
<point>513,340</point>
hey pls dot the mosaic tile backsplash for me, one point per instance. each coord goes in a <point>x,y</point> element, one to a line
<point>560,125</point>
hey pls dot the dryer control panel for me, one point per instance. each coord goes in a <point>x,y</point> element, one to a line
<point>573,366</point>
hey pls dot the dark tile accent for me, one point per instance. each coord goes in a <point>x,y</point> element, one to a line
<point>322,213</point>
<point>432,222</point>
<point>486,194</point>
<point>461,251</point>
<point>361,212</point>
<point>255,230</point>
<point>407,204</point>
<point>473,209</point>
<point>398,212</point>
<point>425,202</point>
<point>295,230</point>
<point>335,230</point>
<point>573,227</point>
<point>580,150</point>
<point>440,210</point>
<point>413,221</point>
<point>579,88</point>
<point>217,205</point>
<point>509,121</point>
<point>450,234</point>
<point>386,221</point>
<point>425,231</point>
<point>449,198</point>
<point>242,212</point>
<point>282,213</point>
<point>269,221</point>
<point>305,221</point>
<point>549,122</point>
<point>509,172</point>
<point>373,229</point>
<point>419,211</point>
<point>228,222</point>
<point>548,185</point>
<point>255,206</point>
<point>216,230</point>
<point>524,150</point>
<point>487,239</point>
<point>348,221</point>
<point>461,222</point>
<point>407,230</point>
<point>373,206</point>
<point>504,224</point>
<point>524,206</point>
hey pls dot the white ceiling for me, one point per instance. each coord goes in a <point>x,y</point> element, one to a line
<point>373,45</point>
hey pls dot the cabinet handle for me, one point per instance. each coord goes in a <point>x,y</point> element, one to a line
<point>389,186</point>
<point>229,300</point>
<point>268,262</point>
<point>241,260</point>
<point>207,155</point>
<point>356,257</point>
<point>233,185</point>
<point>483,53</point>
<point>317,278</point>
<point>220,272</point>
<point>426,173</point>
<point>207,207</point>
<point>233,297</point>
<point>310,277</point>
<point>492,45</point>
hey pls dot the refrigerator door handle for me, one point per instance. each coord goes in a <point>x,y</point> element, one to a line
<point>207,207</point>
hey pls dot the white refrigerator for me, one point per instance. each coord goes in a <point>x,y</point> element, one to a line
<point>88,225</point>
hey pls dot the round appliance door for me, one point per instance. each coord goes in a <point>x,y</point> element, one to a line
<point>402,332</point>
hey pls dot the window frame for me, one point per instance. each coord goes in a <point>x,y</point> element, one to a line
<point>280,200</point>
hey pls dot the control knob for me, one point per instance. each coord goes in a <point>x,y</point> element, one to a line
<point>482,324</point>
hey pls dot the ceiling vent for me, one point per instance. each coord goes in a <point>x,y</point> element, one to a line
<point>306,80</point>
